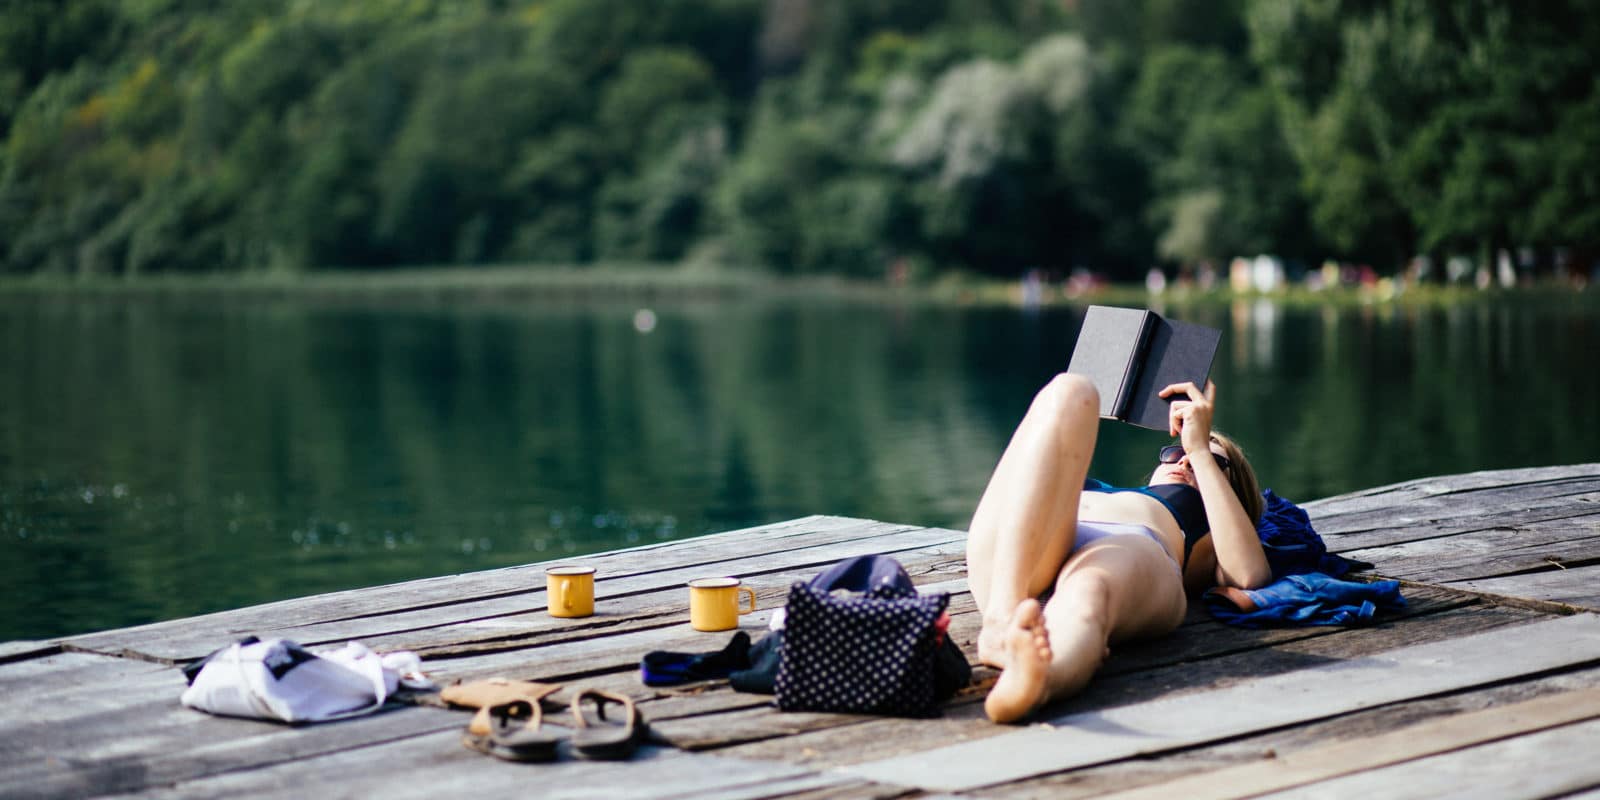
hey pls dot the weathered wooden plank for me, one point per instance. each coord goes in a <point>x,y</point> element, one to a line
<point>436,765</point>
<point>1450,501</point>
<point>1287,656</point>
<point>1441,518</point>
<point>1447,514</point>
<point>140,747</point>
<point>656,607</point>
<point>615,653</point>
<point>815,785</point>
<point>1446,496</point>
<point>1547,764</point>
<point>20,650</point>
<point>1202,637</point>
<point>1578,587</point>
<point>1104,779</point>
<point>1491,552</point>
<point>600,654</point>
<point>167,729</point>
<point>859,790</point>
<point>75,750</point>
<point>852,740</point>
<point>522,579</point>
<point>1210,639</point>
<point>23,682</point>
<point>1292,769</point>
<point>105,718</point>
<point>55,732</point>
<point>501,616</point>
<point>1315,693</point>
<point>1404,492</point>
<point>647,597</point>
<point>63,748</point>
<point>746,725</point>
<point>416,596</point>
<point>110,725</point>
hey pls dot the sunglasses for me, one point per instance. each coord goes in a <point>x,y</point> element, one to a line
<point>1172,453</point>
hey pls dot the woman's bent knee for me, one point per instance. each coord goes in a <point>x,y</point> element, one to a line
<point>1068,396</point>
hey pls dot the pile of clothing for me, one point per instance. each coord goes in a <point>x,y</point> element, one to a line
<point>1307,587</point>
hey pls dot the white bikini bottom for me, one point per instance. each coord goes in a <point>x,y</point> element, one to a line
<point>1095,531</point>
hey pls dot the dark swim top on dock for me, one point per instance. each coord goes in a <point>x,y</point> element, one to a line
<point>1182,501</point>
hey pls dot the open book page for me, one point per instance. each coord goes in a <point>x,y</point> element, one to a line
<point>1177,352</point>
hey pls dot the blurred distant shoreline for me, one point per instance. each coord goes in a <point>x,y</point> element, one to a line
<point>636,284</point>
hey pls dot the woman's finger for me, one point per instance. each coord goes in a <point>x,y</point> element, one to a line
<point>1180,412</point>
<point>1186,388</point>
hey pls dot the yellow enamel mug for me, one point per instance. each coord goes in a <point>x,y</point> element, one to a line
<point>714,603</point>
<point>569,591</point>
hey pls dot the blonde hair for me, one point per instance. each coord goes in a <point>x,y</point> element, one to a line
<point>1241,476</point>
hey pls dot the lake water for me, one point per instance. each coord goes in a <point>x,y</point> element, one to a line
<point>161,459</point>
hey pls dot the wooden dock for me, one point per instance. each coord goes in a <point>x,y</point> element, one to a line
<point>1488,685</point>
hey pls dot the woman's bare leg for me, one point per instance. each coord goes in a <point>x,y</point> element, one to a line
<point>1119,588</point>
<point>1023,529</point>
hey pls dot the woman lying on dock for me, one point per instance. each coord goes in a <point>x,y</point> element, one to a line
<point>1123,561</point>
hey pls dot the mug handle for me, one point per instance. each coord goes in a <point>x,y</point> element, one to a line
<point>566,594</point>
<point>750,593</point>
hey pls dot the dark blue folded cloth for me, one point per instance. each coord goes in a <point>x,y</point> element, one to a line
<point>1292,545</point>
<point>1309,599</point>
<point>666,668</point>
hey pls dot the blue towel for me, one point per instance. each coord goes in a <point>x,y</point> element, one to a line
<point>1292,545</point>
<point>1309,599</point>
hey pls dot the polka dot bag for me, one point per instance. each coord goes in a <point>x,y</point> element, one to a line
<point>868,652</point>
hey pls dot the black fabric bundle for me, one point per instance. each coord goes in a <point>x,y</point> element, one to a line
<point>669,668</point>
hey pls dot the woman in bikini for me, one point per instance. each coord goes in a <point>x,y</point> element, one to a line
<point>1123,561</point>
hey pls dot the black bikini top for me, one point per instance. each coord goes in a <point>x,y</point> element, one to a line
<point>1183,501</point>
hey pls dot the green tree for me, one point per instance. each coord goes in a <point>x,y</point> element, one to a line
<point>1427,126</point>
<point>663,119</point>
<point>1224,181</point>
<point>1335,130</point>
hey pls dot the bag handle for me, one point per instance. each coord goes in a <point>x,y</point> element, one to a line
<point>877,575</point>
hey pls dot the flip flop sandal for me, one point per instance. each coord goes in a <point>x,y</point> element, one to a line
<point>604,739</point>
<point>516,733</point>
<point>491,692</point>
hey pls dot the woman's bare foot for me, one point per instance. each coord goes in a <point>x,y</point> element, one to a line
<point>992,644</point>
<point>1023,685</point>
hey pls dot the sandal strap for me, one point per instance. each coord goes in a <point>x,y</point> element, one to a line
<point>601,698</point>
<point>490,718</point>
<point>505,713</point>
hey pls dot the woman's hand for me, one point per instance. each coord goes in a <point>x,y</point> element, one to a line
<point>1190,420</point>
<point>1239,561</point>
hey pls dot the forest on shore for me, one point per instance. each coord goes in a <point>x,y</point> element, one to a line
<point>854,138</point>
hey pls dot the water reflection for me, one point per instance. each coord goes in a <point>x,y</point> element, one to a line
<point>161,460</point>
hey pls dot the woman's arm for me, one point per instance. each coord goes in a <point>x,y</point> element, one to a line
<point>1241,563</point>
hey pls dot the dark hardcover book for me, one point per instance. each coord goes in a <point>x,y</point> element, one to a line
<point>1131,354</point>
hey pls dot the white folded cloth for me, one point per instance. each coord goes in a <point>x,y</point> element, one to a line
<point>280,680</point>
